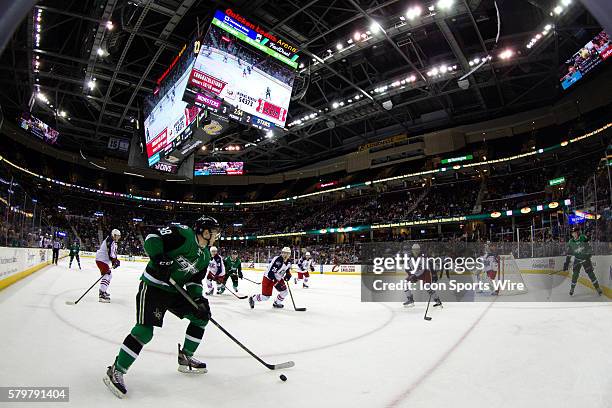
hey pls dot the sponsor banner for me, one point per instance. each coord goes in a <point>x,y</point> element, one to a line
<point>256,36</point>
<point>17,260</point>
<point>384,142</point>
<point>166,167</point>
<point>208,102</point>
<point>271,110</point>
<point>207,82</point>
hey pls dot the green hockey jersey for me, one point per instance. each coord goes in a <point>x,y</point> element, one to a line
<point>190,260</point>
<point>74,249</point>
<point>579,248</point>
<point>232,267</point>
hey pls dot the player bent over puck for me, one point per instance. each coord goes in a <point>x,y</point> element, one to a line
<point>278,273</point>
<point>180,253</point>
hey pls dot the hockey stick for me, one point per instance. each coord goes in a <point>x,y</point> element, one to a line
<point>252,281</point>
<point>70,302</point>
<point>297,309</point>
<point>241,297</point>
<point>428,318</point>
<point>280,366</point>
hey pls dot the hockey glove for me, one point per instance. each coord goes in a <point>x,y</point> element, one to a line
<point>240,274</point>
<point>163,268</point>
<point>566,264</point>
<point>203,311</point>
<point>287,276</point>
<point>413,278</point>
<point>115,263</point>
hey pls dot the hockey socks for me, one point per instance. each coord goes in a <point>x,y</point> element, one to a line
<point>193,337</point>
<point>132,345</point>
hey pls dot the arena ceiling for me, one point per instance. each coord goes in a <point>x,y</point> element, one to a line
<point>371,69</point>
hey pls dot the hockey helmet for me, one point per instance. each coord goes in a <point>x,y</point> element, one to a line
<point>205,223</point>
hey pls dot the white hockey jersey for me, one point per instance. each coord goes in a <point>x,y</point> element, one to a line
<point>491,261</point>
<point>305,265</point>
<point>107,251</point>
<point>216,267</point>
<point>278,268</point>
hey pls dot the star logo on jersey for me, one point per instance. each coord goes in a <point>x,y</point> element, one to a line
<point>186,265</point>
<point>158,314</point>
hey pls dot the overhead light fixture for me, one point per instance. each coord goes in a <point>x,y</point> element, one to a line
<point>100,52</point>
<point>506,54</point>
<point>301,65</point>
<point>413,12</point>
<point>339,46</point>
<point>558,10</point>
<point>357,36</point>
<point>63,114</point>
<point>91,84</point>
<point>375,27</point>
<point>109,25</point>
<point>445,4</point>
<point>335,105</point>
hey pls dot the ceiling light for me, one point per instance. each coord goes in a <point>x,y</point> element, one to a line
<point>547,27</point>
<point>445,4</point>
<point>413,12</point>
<point>63,114</point>
<point>357,35</point>
<point>506,54</point>
<point>339,46</point>
<point>558,10</point>
<point>335,105</point>
<point>109,25</point>
<point>375,27</point>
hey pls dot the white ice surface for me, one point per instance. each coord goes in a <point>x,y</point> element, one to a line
<point>347,353</point>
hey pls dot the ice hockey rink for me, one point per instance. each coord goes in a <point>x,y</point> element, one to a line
<point>487,354</point>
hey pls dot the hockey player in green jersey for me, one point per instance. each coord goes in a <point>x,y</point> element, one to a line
<point>233,269</point>
<point>74,253</point>
<point>180,253</point>
<point>578,247</point>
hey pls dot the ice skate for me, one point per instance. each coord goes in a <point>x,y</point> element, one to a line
<point>104,297</point>
<point>114,381</point>
<point>189,364</point>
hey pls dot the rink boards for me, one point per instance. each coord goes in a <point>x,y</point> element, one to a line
<point>17,263</point>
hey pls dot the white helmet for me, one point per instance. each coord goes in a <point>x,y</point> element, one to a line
<point>116,233</point>
<point>213,250</point>
<point>286,250</point>
<point>307,254</point>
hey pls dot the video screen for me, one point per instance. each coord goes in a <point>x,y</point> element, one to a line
<point>588,57</point>
<point>243,73</point>
<point>38,128</point>
<point>219,169</point>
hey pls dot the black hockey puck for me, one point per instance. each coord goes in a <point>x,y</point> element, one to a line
<point>283,377</point>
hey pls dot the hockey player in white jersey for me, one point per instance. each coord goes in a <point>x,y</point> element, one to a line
<point>305,265</point>
<point>278,273</point>
<point>216,272</point>
<point>491,264</point>
<point>420,272</point>
<point>106,259</point>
